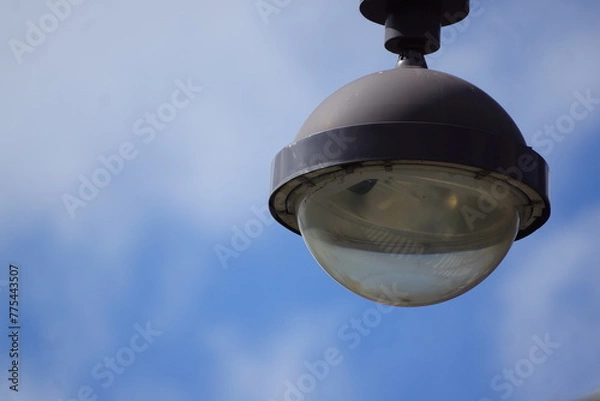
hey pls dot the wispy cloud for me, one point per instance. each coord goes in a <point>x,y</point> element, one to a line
<point>260,370</point>
<point>553,289</point>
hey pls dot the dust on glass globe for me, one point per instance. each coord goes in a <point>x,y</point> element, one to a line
<point>416,235</point>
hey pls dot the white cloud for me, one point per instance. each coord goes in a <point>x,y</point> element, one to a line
<point>214,162</point>
<point>56,127</point>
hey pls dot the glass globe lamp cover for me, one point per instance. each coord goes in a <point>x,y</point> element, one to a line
<point>413,236</point>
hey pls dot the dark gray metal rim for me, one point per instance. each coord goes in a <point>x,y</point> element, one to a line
<point>323,153</point>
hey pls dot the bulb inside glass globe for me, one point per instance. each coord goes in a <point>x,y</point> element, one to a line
<point>415,235</point>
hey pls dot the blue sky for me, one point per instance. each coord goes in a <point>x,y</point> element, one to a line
<point>122,293</point>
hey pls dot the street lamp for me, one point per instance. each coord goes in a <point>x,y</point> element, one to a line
<point>409,186</point>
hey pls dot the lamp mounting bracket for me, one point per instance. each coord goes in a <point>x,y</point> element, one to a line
<point>414,24</point>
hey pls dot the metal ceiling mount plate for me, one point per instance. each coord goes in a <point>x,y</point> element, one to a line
<point>414,24</point>
<point>452,11</point>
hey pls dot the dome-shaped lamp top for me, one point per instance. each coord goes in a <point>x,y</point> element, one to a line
<point>412,94</point>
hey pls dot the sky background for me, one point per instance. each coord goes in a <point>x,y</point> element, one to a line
<point>140,255</point>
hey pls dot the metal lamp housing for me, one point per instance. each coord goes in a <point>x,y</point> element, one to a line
<point>414,170</point>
